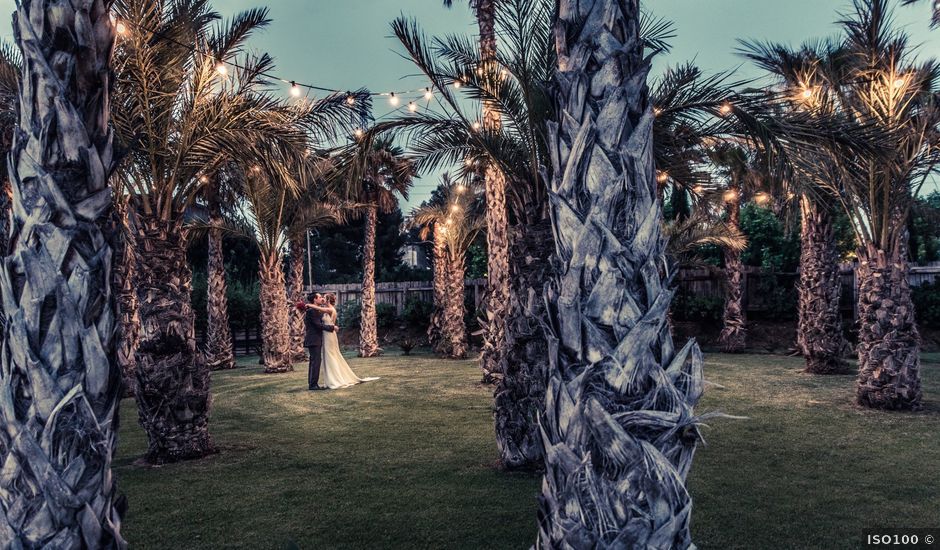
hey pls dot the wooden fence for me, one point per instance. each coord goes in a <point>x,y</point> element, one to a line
<point>759,290</point>
<point>398,294</point>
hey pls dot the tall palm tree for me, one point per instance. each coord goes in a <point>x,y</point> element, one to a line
<point>819,334</point>
<point>497,215</point>
<point>873,81</point>
<point>60,383</point>
<point>455,223</point>
<point>618,425</point>
<point>219,348</point>
<point>182,119</point>
<point>375,183</point>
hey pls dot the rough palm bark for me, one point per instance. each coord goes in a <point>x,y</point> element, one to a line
<point>436,326</point>
<point>173,398</point>
<point>220,348</point>
<point>295,293</point>
<point>124,288</point>
<point>520,392</point>
<point>734,329</point>
<point>618,427</point>
<point>454,332</point>
<point>275,326</point>
<point>368,331</point>
<point>819,334</point>
<point>888,339</point>
<point>497,217</point>
<point>60,382</point>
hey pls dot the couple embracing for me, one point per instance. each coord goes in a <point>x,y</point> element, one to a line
<point>321,341</point>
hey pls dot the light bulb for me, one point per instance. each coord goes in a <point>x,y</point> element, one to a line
<point>468,162</point>
<point>455,208</point>
<point>121,28</point>
<point>203,179</point>
<point>807,93</point>
<point>350,99</point>
<point>726,108</point>
<point>256,169</point>
<point>900,82</point>
<point>657,111</point>
<point>393,100</point>
<point>730,195</point>
<point>221,69</point>
<point>461,189</point>
<point>762,198</point>
<point>476,126</point>
<point>358,132</point>
<point>457,84</point>
<point>662,177</point>
<point>294,89</point>
<point>428,94</point>
<point>412,106</point>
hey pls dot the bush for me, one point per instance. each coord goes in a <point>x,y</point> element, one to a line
<point>349,314</point>
<point>927,304</point>
<point>417,312</point>
<point>385,315</point>
<point>690,307</point>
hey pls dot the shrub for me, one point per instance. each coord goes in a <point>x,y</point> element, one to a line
<point>417,312</point>
<point>385,315</point>
<point>349,314</point>
<point>690,307</point>
<point>927,304</point>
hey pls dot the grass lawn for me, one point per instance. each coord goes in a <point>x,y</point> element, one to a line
<point>407,462</point>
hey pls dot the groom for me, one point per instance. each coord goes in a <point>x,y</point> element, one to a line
<point>313,340</point>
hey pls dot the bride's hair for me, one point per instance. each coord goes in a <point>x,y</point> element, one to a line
<point>330,299</point>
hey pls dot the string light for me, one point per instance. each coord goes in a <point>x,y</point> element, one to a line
<point>460,189</point>
<point>256,169</point>
<point>203,179</point>
<point>428,94</point>
<point>468,161</point>
<point>393,100</point>
<point>477,126</point>
<point>294,89</point>
<point>662,177</point>
<point>730,195</point>
<point>121,28</point>
<point>412,106</point>
<point>762,198</point>
<point>807,93</point>
<point>350,99</point>
<point>900,82</point>
<point>358,132</point>
<point>457,84</point>
<point>725,108</point>
<point>455,208</point>
<point>221,68</point>
<point>657,111</point>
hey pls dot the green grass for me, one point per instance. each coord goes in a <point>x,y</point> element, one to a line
<point>408,462</point>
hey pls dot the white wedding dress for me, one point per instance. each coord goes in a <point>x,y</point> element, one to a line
<point>335,372</point>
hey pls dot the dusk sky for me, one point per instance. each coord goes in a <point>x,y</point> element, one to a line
<point>346,44</point>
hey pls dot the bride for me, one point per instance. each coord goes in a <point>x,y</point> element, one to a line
<point>336,372</point>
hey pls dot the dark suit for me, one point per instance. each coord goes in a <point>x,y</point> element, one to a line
<point>313,341</point>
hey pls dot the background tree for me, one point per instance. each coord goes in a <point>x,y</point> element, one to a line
<point>455,223</point>
<point>182,113</point>
<point>489,71</point>
<point>373,184</point>
<point>60,382</point>
<point>219,347</point>
<point>618,425</point>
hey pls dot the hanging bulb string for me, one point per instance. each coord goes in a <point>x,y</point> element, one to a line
<point>122,27</point>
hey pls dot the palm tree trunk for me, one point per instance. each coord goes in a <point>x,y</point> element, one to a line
<point>888,340</point>
<point>819,335</point>
<point>455,330</point>
<point>520,393</point>
<point>275,326</point>
<point>295,293</point>
<point>173,398</point>
<point>220,351</point>
<point>618,426</point>
<point>734,330</point>
<point>436,326</point>
<point>125,289</point>
<point>495,344</point>
<point>60,382</point>
<point>368,332</point>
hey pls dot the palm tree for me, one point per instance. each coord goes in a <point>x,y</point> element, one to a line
<point>455,221</point>
<point>380,175</point>
<point>618,424</point>
<point>10,65</point>
<point>872,81</point>
<point>60,383</point>
<point>182,119</point>
<point>935,20</point>
<point>219,348</point>
<point>497,216</point>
